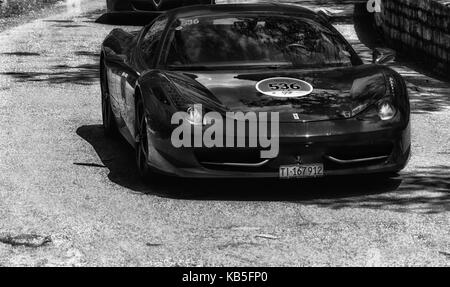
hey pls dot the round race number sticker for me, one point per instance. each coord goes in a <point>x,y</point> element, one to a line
<point>284,87</point>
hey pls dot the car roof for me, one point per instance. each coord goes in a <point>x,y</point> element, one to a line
<point>204,10</point>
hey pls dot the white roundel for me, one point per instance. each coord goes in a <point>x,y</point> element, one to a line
<point>284,87</point>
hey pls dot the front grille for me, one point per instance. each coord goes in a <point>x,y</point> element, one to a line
<point>364,155</point>
<point>233,159</point>
<point>355,156</point>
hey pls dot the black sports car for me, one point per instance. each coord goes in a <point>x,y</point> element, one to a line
<point>150,5</point>
<point>334,114</point>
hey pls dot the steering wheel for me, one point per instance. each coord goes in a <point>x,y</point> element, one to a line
<point>302,49</point>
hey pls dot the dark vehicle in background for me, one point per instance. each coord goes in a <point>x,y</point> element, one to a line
<point>150,5</point>
<point>354,120</point>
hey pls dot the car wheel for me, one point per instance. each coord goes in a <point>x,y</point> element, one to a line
<point>109,122</point>
<point>142,146</point>
<point>109,6</point>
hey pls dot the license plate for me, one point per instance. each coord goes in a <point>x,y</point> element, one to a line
<point>302,171</point>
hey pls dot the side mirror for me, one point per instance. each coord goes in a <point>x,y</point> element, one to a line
<point>117,62</point>
<point>383,56</point>
<point>324,14</point>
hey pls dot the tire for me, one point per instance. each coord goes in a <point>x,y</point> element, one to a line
<point>142,146</point>
<point>109,122</point>
<point>109,6</point>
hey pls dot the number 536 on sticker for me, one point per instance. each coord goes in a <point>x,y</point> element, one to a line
<point>284,87</point>
<point>189,22</point>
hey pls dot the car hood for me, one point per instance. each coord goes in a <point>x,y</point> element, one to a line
<point>338,93</point>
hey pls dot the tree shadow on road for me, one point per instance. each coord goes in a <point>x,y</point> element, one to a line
<point>85,74</point>
<point>429,91</point>
<point>21,54</point>
<point>425,191</point>
<point>116,154</point>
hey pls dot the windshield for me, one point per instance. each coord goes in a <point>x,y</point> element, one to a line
<point>254,40</point>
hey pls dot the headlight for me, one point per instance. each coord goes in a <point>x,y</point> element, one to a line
<point>195,115</point>
<point>198,116</point>
<point>386,110</point>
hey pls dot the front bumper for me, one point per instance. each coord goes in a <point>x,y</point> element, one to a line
<point>345,148</point>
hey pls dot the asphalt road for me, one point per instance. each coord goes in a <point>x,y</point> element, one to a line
<point>60,178</point>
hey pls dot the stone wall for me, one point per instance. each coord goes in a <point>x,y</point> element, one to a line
<point>418,27</point>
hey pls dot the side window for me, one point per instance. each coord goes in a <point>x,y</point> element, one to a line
<point>152,38</point>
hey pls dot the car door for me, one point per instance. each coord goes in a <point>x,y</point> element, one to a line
<point>143,57</point>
